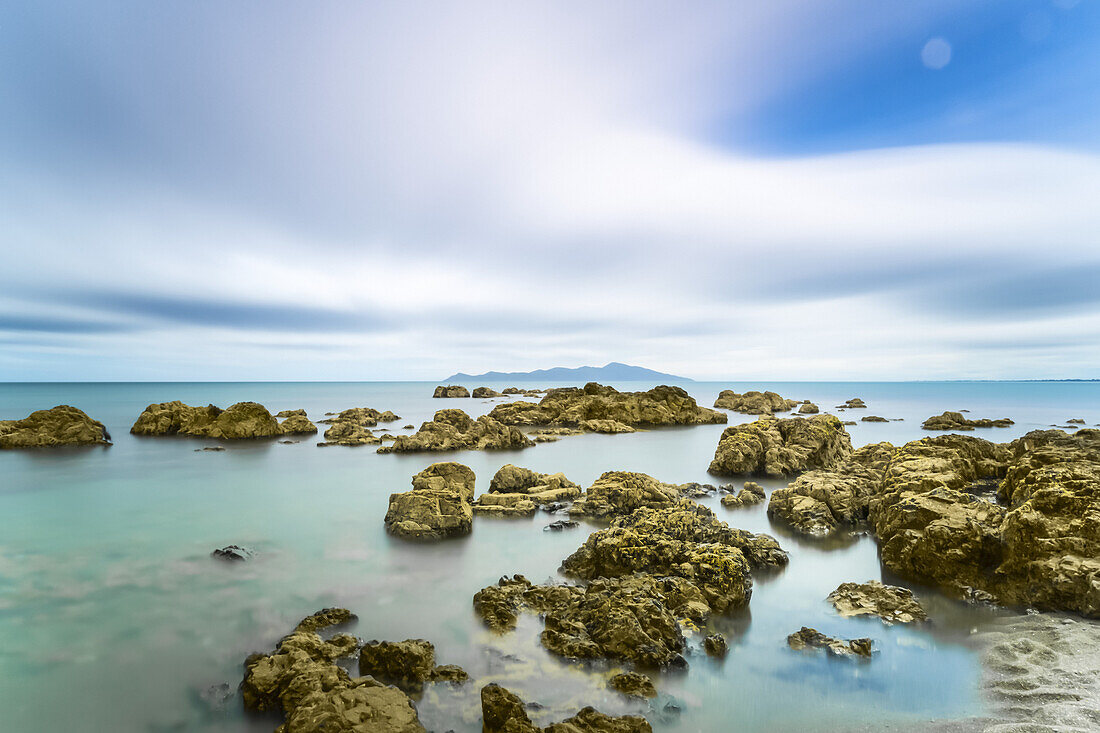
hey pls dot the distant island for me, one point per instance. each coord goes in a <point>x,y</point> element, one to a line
<point>612,372</point>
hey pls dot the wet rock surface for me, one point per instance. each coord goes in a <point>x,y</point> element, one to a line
<point>451,390</point>
<point>754,403</point>
<point>633,684</point>
<point>58,426</point>
<point>437,508</point>
<point>808,408</point>
<point>455,430</point>
<point>573,407</point>
<point>956,421</point>
<point>302,680</point>
<point>232,553</point>
<point>505,712</point>
<point>781,446</point>
<point>715,645</point>
<point>807,639</point>
<point>616,493</point>
<point>889,602</point>
<point>407,664</point>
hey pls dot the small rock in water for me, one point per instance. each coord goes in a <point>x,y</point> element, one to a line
<point>210,448</point>
<point>232,553</point>
<point>715,645</point>
<point>806,638</point>
<point>633,684</point>
<point>559,525</point>
<point>215,698</point>
<point>554,506</point>
<point>289,442</point>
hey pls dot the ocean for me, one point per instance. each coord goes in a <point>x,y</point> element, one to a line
<point>114,617</point>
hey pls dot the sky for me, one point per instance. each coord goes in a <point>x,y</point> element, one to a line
<point>783,190</point>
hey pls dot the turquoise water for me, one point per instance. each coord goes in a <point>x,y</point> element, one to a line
<point>113,617</point>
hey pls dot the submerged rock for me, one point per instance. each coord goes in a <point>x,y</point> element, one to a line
<point>955,421</point>
<point>560,525</point>
<point>232,553</point>
<point>573,407</point>
<point>505,712</point>
<point>807,638</point>
<point>241,421</point>
<point>407,664</point>
<point>781,446</point>
<point>301,680</point>
<point>438,507</point>
<point>57,426</point>
<point>751,493</point>
<point>633,684</point>
<point>889,602</point>
<point>484,393</point>
<point>455,430</point>
<point>451,390</point>
<point>754,403</point>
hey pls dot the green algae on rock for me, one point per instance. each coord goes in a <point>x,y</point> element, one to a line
<point>242,421</point>
<point>58,426</point>
<point>455,430</point>
<point>781,446</point>
<point>573,407</point>
<point>438,506</point>
<point>890,603</point>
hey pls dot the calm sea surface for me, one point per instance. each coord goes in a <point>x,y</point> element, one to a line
<point>113,617</point>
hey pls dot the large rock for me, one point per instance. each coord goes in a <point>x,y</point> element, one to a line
<point>297,424</point>
<point>820,502</point>
<point>516,491</point>
<point>455,430</point>
<point>616,493</point>
<point>451,390</point>
<point>407,664</point>
<point>807,638</point>
<point>754,403</point>
<point>484,393</point>
<point>241,421</point>
<point>633,684</point>
<point>781,446</point>
<point>956,421</point>
<point>438,507</point>
<point>889,602</point>
<point>573,407</point>
<point>58,426</point>
<point>353,426</point>
<point>302,680</point>
<point>503,711</point>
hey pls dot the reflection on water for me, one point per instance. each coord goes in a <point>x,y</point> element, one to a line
<point>114,617</point>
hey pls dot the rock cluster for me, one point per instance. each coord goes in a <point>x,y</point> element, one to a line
<point>750,493</point>
<point>574,407</point>
<point>451,390</point>
<point>505,712</point>
<point>616,493</point>
<point>956,421</point>
<point>406,664</point>
<point>633,684</point>
<point>520,491</point>
<point>807,638</point>
<point>484,393</point>
<point>353,426</point>
<point>781,446</point>
<point>852,404</point>
<point>438,506</point>
<point>455,430</point>
<point>302,680</point>
<point>524,392</point>
<point>58,426</point>
<point>889,602</point>
<point>241,421</point>
<point>754,403</point>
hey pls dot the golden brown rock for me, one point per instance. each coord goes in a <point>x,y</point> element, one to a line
<point>58,426</point>
<point>455,430</point>
<point>781,446</point>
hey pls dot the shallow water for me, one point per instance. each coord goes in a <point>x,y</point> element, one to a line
<point>114,617</point>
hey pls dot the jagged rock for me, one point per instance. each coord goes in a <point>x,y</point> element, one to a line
<point>781,446</point>
<point>852,404</point>
<point>606,426</point>
<point>455,430</point>
<point>955,421</point>
<point>716,646</point>
<point>301,680</point>
<point>290,413</point>
<point>633,684</point>
<point>807,638</point>
<point>873,418</point>
<point>347,432</point>
<point>572,407</point>
<point>1075,421</point>
<point>751,493</point>
<point>240,421</point>
<point>560,525</point>
<point>232,553</point>
<point>695,490</point>
<point>57,426</point>
<point>620,492</point>
<point>520,491</point>
<point>407,664</point>
<point>808,408</point>
<point>889,602</point>
<point>505,505</point>
<point>504,712</point>
<point>820,502</point>
<point>754,403</point>
<point>485,393</point>
<point>452,390</point>
<point>297,424</point>
<point>438,507</point>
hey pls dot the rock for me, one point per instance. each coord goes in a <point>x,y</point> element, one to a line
<point>290,413</point>
<point>818,503</point>
<point>1075,421</point>
<point>848,422</point>
<point>505,712</point>
<point>452,390</point>
<point>542,488</point>
<point>889,602</point>
<point>289,442</point>
<point>232,553</point>
<point>407,664</point>
<point>212,449</point>
<point>694,490</point>
<point>715,645</point>
<point>241,421</point>
<point>781,446</point>
<point>808,638</point>
<point>484,393</point>
<point>606,426</point>
<point>505,505</point>
<point>560,525</point>
<point>955,421</point>
<point>754,403</point>
<point>751,493</point>
<point>301,680</point>
<point>621,492</point>
<point>633,684</point>
<point>808,408</point>
<point>58,426</point>
<point>408,427</point>
<point>873,418</point>
<point>573,407</point>
<point>438,507</point>
<point>353,426</point>
<point>852,404</point>
<point>297,424</point>
<point>455,430</point>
